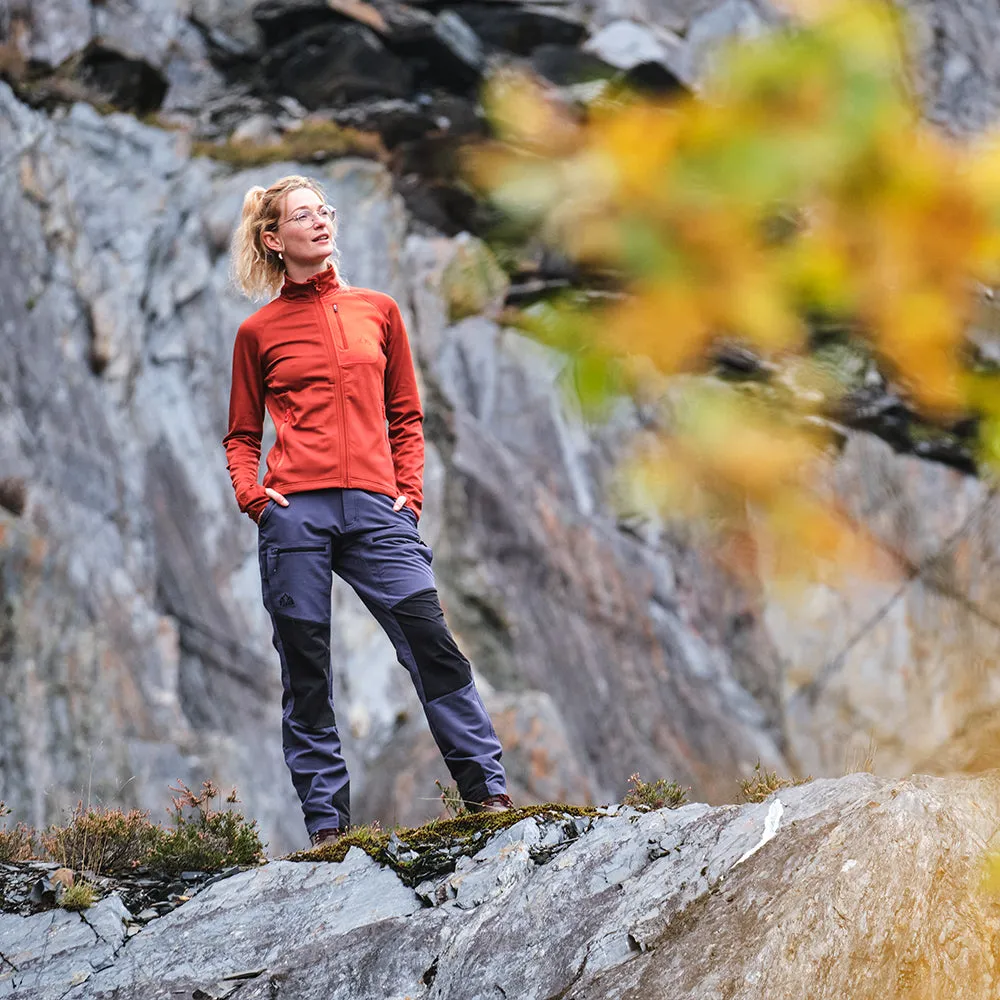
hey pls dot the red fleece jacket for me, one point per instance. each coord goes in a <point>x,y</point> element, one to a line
<point>333,367</point>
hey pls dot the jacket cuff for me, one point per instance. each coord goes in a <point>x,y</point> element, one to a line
<point>256,506</point>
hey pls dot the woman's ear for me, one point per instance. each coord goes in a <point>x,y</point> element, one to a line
<point>271,240</point>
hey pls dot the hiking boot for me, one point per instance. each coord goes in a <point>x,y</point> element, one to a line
<point>494,803</point>
<point>328,836</point>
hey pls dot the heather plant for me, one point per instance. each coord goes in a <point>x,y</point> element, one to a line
<point>16,844</point>
<point>659,794</point>
<point>205,837</point>
<point>101,840</point>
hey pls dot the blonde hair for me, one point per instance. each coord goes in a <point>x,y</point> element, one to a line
<point>257,269</point>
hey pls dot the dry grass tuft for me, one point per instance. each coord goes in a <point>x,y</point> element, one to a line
<point>866,763</point>
<point>763,783</point>
<point>80,896</point>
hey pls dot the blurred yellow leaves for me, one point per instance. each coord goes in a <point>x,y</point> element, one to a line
<point>801,182</point>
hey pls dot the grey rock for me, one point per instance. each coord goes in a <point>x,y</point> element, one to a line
<point>401,121</point>
<point>482,882</point>
<point>54,32</point>
<point>957,76</point>
<point>923,629</point>
<point>300,905</point>
<point>136,54</point>
<point>258,128</point>
<point>140,29</point>
<point>217,991</point>
<point>461,46</point>
<point>725,23</point>
<point>626,44</point>
<point>835,888</point>
<point>233,18</point>
<point>566,65</point>
<point>192,80</point>
<point>332,64</point>
<point>51,951</point>
<point>521,28</point>
<point>525,832</point>
<point>281,20</point>
<point>673,15</point>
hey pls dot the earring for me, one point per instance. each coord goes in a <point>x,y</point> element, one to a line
<point>280,257</point>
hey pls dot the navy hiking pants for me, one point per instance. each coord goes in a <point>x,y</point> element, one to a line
<point>378,551</point>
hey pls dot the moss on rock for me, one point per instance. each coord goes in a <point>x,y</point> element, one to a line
<point>416,853</point>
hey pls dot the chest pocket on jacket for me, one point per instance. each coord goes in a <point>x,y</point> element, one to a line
<point>364,347</point>
<point>357,329</point>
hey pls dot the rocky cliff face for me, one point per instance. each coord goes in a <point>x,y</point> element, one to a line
<point>134,647</point>
<point>858,887</point>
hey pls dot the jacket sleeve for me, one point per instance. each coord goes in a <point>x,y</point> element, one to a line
<point>404,413</point>
<point>246,424</point>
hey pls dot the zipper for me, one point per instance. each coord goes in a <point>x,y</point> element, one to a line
<point>343,405</point>
<point>340,378</point>
<point>340,324</point>
<point>276,552</point>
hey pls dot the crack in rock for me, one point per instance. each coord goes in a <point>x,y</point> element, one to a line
<point>100,964</point>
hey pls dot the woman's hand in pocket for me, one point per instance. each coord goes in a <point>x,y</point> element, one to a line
<point>400,501</point>
<point>276,496</point>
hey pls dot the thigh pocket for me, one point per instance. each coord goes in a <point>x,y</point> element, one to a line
<point>276,553</point>
<point>299,580</point>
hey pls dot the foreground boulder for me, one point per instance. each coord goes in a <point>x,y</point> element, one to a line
<point>856,887</point>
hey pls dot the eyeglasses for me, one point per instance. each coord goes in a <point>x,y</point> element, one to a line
<point>305,218</point>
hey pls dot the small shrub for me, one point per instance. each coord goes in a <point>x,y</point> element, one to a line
<point>16,844</point>
<point>762,783</point>
<point>659,794</point>
<point>204,838</point>
<point>79,896</point>
<point>451,800</point>
<point>104,841</point>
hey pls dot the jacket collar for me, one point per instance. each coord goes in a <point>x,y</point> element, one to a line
<point>322,282</point>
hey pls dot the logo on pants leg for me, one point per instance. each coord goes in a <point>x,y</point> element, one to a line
<point>285,601</point>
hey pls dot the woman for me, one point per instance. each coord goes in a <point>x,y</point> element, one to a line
<point>342,494</point>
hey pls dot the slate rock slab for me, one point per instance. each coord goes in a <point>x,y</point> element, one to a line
<point>857,887</point>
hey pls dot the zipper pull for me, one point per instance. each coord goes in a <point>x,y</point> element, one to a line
<point>335,307</point>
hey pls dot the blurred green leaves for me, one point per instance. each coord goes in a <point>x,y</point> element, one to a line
<point>801,182</point>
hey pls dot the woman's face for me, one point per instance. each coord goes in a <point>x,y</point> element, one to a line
<point>306,243</point>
